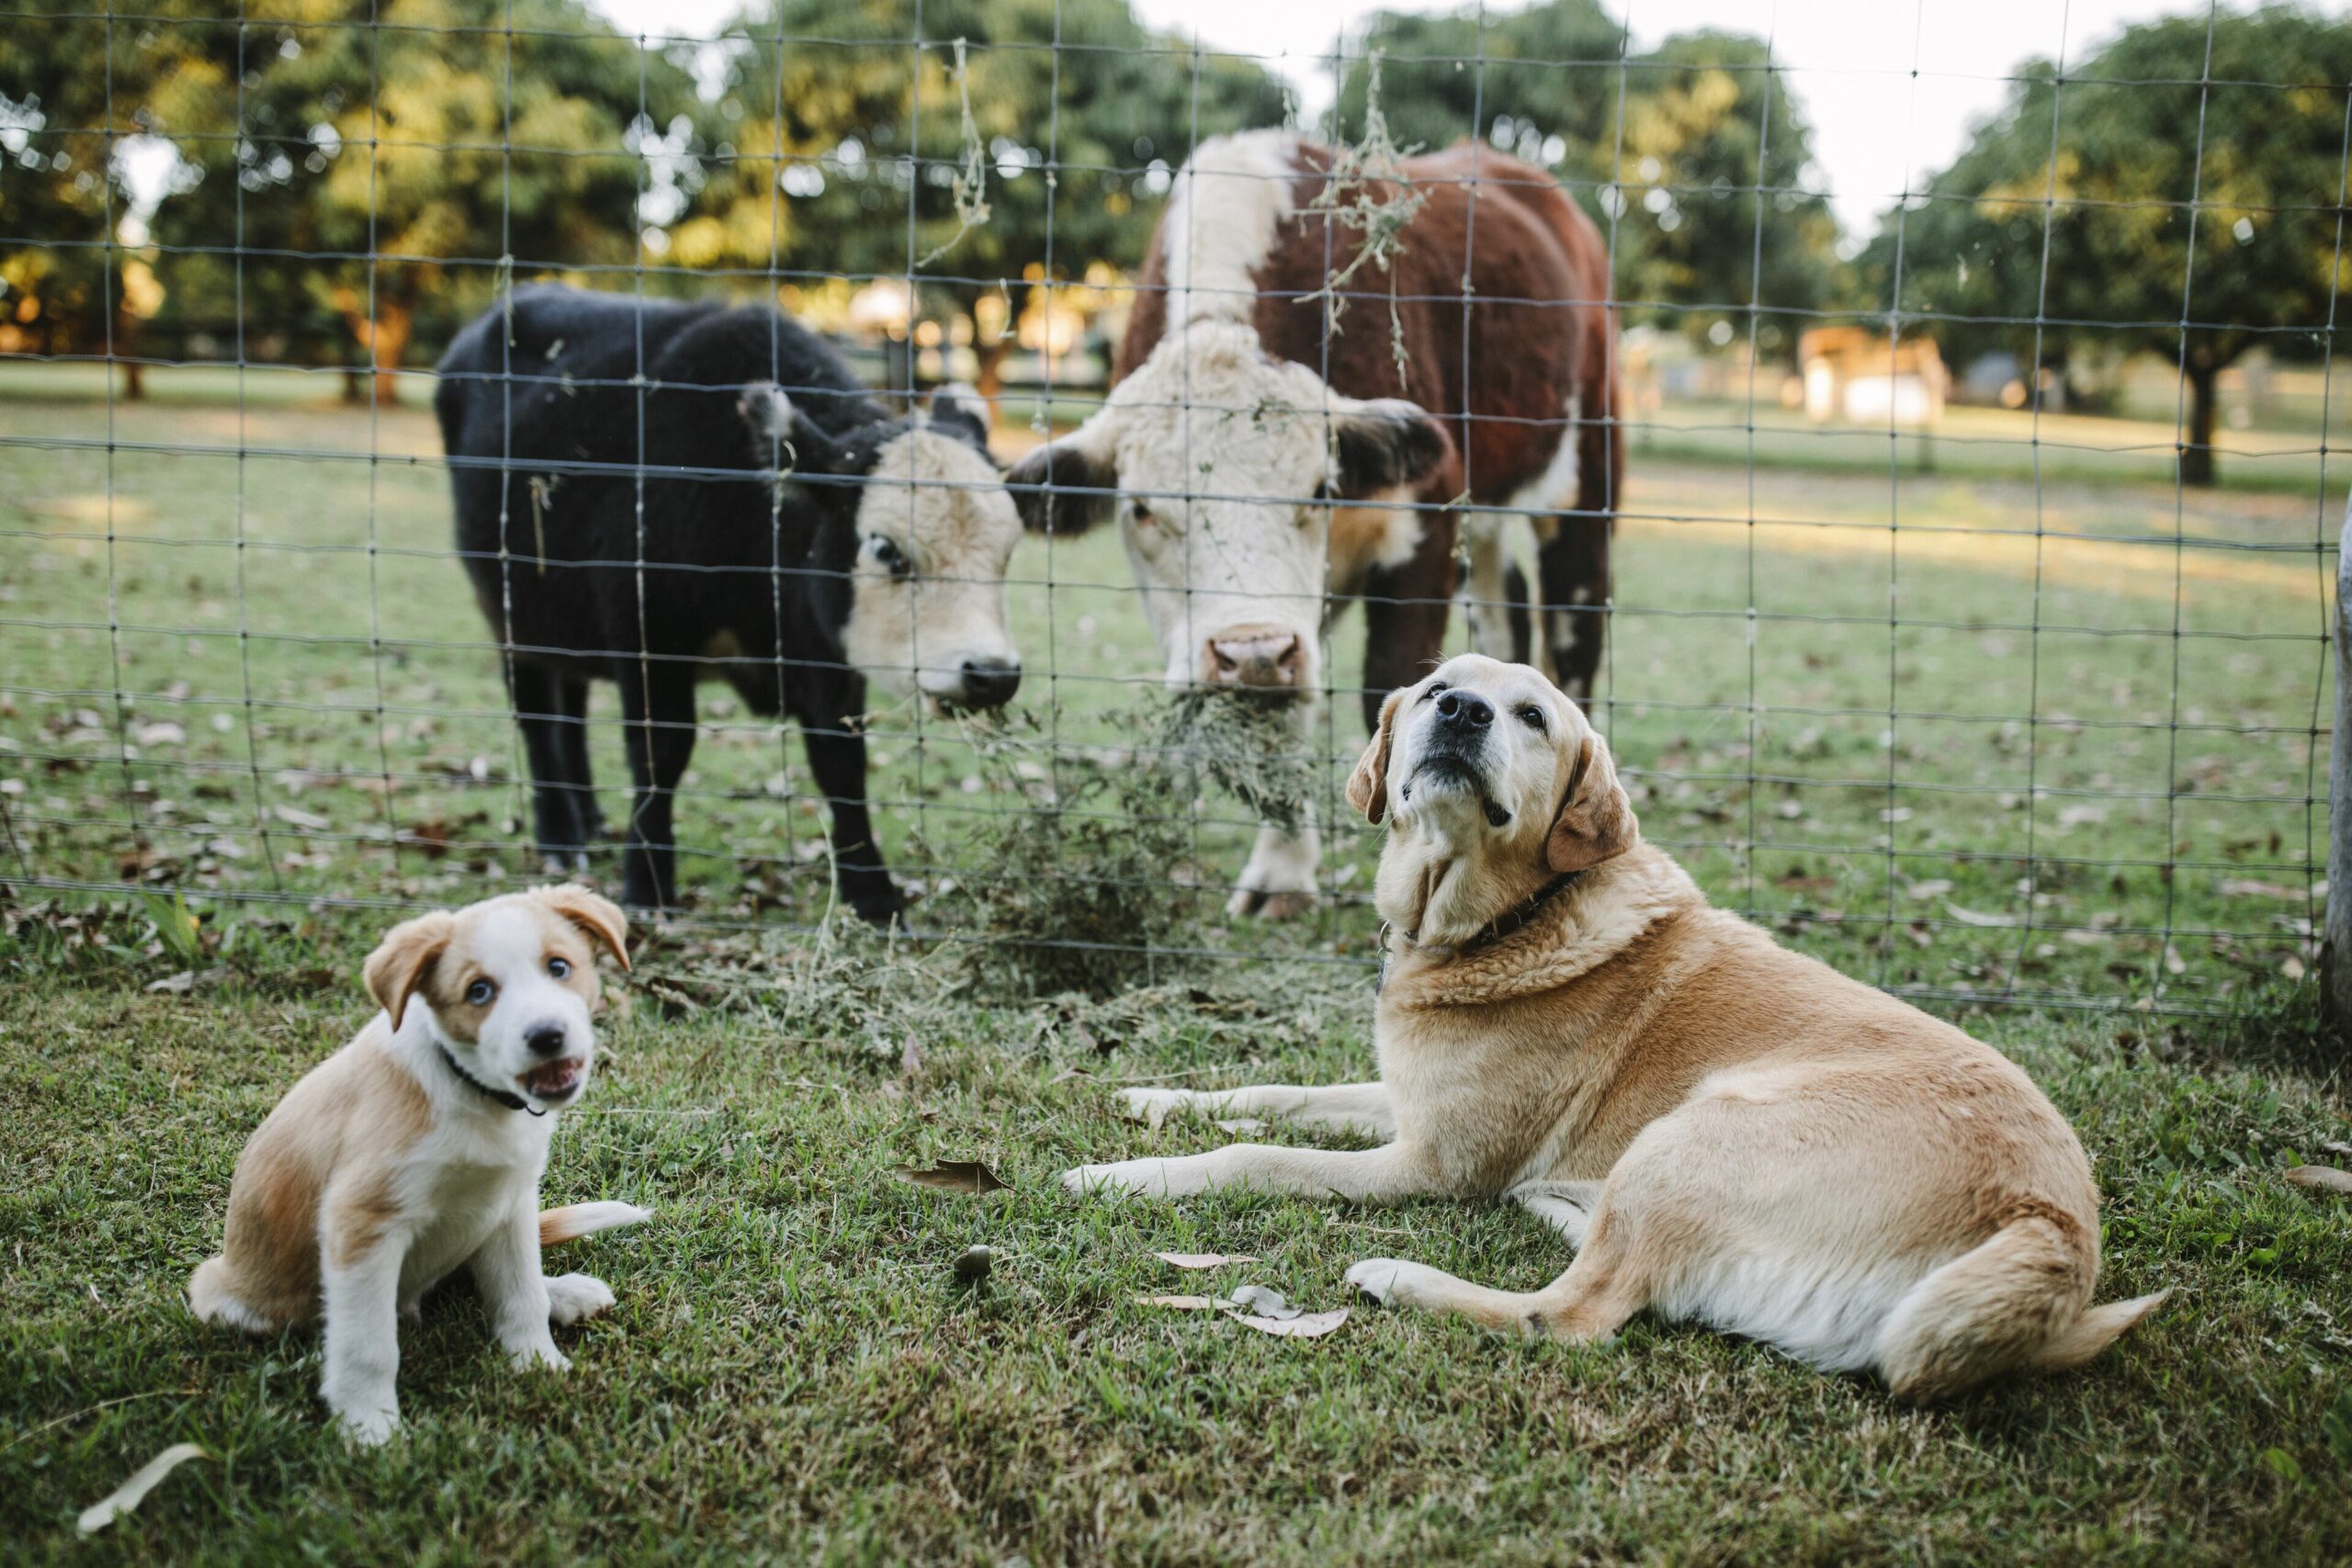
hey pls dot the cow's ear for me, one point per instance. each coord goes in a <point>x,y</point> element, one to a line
<point>1066,486</point>
<point>1385,445</point>
<point>963,411</point>
<point>783,436</point>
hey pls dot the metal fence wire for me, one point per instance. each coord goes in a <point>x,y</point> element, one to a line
<point>1968,679</point>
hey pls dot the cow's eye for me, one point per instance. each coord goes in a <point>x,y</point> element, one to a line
<point>558,968</point>
<point>884,552</point>
<point>1140,512</point>
<point>480,992</point>
<point>1532,716</point>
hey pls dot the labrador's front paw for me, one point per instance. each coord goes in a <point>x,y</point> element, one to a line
<point>537,1358</point>
<point>1391,1282</point>
<point>1126,1178</point>
<point>574,1297</point>
<point>1153,1106</point>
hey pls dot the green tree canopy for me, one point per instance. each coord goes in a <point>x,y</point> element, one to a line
<point>1087,131</point>
<point>2150,187</point>
<point>1673,178</point>
<point>431,156</point>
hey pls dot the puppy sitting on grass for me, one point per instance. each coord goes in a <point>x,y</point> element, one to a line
<point>417,1149</point>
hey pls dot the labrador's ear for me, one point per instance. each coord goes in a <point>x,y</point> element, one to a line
<point>593,913</point>
<point>403,960</point>
<point>1385,445</point>
<point>1368,785</point>
<point>1066,486</point>
<point>1595,822</point>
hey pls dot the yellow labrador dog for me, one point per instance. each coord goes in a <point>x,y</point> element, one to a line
<point>1727,1133</point>
<point>417,1149</point>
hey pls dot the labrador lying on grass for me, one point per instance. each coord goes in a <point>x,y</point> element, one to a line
<point>1727,1133</point>
<point>417,1149</point>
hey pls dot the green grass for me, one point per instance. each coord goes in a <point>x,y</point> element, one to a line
<point>792,1373</point>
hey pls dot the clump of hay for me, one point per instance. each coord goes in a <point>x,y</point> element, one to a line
<point>1251,746</point>
<point>1066,885</point>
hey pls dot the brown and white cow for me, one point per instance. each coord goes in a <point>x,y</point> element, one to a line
<point>1270,458</point>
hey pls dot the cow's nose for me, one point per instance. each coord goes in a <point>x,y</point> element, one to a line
<point>1267,657</point>
<point>991,683</point>
<point>546,1039</point>
<point>1460,710</point>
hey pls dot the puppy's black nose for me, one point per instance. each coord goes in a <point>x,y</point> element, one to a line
<point>546,1039</point>
<point>1462,711</point>
<point>989,683</point>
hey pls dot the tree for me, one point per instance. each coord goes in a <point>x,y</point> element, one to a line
<point>430,154</point>
<point>2102,168</point>
<point>1090,129</point>
<point>1673,178</point>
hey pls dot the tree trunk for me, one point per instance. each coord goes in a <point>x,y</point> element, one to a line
<point>2197,455</point>
<point>394,322</point>
<point>126,351</point>
<point>989,363</point>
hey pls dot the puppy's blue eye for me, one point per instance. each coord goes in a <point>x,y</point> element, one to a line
<point>480,993</point>
<point>558,968</point>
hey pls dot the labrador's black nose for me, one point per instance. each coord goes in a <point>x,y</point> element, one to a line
<point>1460,710</point>
<point>547,1039</point>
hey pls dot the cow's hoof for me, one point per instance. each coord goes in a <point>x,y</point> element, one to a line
<point>876,906</point>
<point>1280,906</point>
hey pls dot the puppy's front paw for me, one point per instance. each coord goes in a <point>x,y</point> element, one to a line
<point>1391,1282</point>
<point>368,1428</point>
<point>1153,1106</point>
<point>537,1358</point>
<point>574,1297</point>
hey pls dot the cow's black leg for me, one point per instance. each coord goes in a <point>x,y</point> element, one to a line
<point>556,829</point>
<point>571,700</point>
<point>1523,637</point>
<point>837,758</point>
<point>1573,565</point>
<point>658,712</point>
<point>1404,613</point>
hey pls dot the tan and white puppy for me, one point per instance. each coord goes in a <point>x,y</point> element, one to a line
<point>417,1149</point>
<point>1728,1133</point>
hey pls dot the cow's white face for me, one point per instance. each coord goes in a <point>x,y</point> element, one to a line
<point>1224,465</point>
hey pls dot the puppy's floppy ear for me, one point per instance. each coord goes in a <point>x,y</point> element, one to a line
<point>593,913</point>
<point>1596,821</point>
<point>403,959</point>
<point>1368,785</point>
<point>1066,486</point>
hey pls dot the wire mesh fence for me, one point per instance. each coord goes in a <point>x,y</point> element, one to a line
<point>2006,681</point>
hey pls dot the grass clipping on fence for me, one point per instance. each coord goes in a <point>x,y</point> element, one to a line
<point>1082,878</point>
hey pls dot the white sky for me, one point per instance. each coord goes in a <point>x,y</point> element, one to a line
<point>1850,62</point>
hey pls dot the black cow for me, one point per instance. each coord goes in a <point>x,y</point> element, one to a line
<point>658,493</point>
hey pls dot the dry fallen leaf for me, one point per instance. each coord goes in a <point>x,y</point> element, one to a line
<point>176,985</point>
<point>1203,1259</point>
<point>1976,918</point>
<point>2323,1178</point>
<point>1261,1299</point>
<point>295,816</point>
<point>1181,1303</point>
<point>1304,1326</point>
<point>956,1175</point>
<point>131,1493</point>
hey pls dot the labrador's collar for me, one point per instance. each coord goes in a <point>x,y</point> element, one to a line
<point>511,1101</point>
<point>1510,920</point>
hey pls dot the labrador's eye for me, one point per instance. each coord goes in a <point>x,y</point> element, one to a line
<point>1435,687</point>
<point>558,968</point>
<point>1532,716</point>
<point>884,552</point>
<point>480,993</point>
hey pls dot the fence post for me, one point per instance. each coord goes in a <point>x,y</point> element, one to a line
<point>2335,952</point>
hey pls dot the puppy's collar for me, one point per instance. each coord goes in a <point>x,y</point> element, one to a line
<point>511,1101</point>
<point>1510,920</point>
